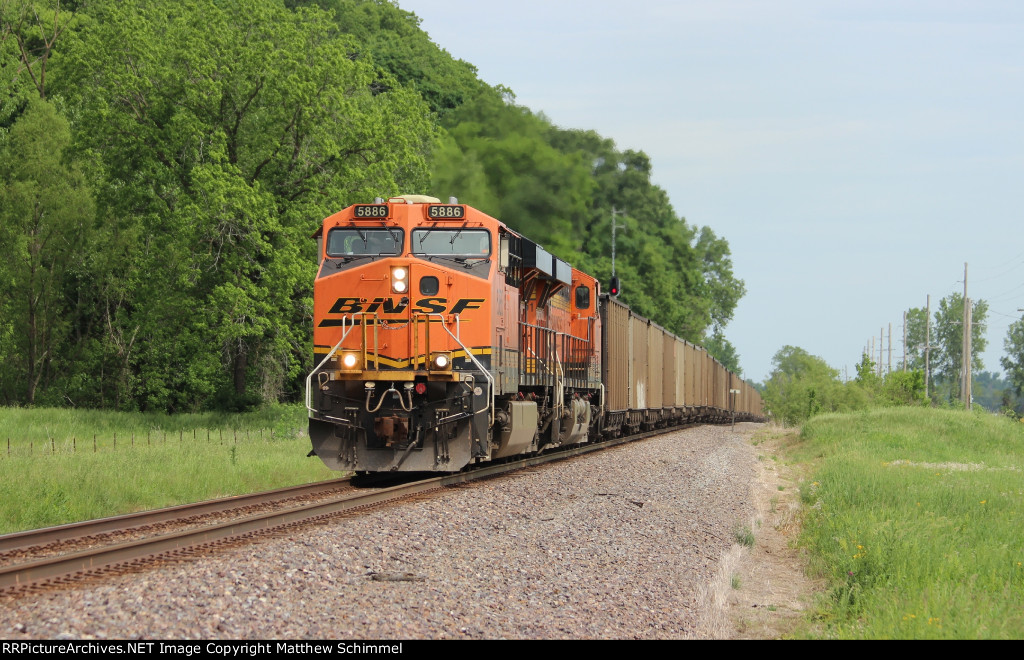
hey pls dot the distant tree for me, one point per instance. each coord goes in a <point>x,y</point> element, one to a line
<point>721,285</point>
<point>947,338</point>
<point>903,388</point>
<point>722,350</point>
<point>802,385</point>
<point>1013,361</point>
<point>917,331</point>
<point>867,375</point>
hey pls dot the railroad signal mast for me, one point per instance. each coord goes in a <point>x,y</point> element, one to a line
<point>615,286</point>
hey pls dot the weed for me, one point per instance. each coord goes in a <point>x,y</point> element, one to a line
<point>745,537</point>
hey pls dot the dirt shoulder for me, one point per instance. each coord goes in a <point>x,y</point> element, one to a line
<point>762,590</point>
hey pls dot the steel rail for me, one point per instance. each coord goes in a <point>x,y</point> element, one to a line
<point>77,530</point>
<point>95,560</point>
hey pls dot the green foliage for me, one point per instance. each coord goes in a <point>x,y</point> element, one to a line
<point>802,386</point>
<point>45,211</point>
<point>190,149</point>
<point>917,337</point>
<point>218,134</point>
<point>995,393</point>
<point>867,375</point>
<point>1013,361</point>
<point>391,37</point>
<point>904,388</point>
<point>947,337</point>
<point>722,350</point>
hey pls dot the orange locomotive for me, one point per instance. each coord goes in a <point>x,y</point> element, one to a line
<point>443,338</point>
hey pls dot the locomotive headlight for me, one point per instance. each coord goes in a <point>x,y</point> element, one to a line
<point>399,279</point>
<point>441,361</point>
<point>349,361</point>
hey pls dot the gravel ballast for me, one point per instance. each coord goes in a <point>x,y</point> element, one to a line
<point>624,544</point>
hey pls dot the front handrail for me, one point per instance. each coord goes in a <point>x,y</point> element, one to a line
<point>479,365</point>
<point>309,378</point>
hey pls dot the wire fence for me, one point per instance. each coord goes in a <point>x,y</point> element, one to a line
<point>126,442</point>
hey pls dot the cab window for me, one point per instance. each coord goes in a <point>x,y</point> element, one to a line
<point>455,242</point>
<point>582,297</point>
<point>349,241</point>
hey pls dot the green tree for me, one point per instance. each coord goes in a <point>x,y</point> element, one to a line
<point>947,338</point>
<point>721,286</point>
<point>722,350</point>
<point>1013,361</point>
<point>45,209</point>
<point>904,388</point>
<point>225,131</point>
<point>392,38</point>
<point>802,385</point>
<point>917,337</point>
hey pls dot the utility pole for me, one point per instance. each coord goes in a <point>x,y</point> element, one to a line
<point>968,358</point>
<point>881,347</point>
<point>965,356</point>
<point>615,212</point>
<point>888,367</point>
<point>904,341</point>
<point>927,342</point>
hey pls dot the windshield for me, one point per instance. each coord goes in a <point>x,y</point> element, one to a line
<point>460,242</point>
<point>343,242</point>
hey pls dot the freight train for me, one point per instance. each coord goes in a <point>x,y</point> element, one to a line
<point>443,338</point>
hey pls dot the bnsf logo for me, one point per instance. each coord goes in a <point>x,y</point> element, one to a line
<point>389,306</point>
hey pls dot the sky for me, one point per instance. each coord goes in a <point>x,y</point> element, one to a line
<point>854,154</point>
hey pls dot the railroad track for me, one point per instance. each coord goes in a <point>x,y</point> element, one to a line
<point>161,533</point>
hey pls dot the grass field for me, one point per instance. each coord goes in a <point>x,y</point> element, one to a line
<point>59,466</point>
<point>916,518</point>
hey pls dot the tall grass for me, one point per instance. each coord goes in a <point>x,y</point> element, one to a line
<point>53,475</point>
<point>916,518</point>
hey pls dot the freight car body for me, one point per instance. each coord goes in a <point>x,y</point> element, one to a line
<point>443,338</point>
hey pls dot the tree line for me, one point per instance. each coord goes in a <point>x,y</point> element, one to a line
<point>802,385</point>
<point>163,165</point>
